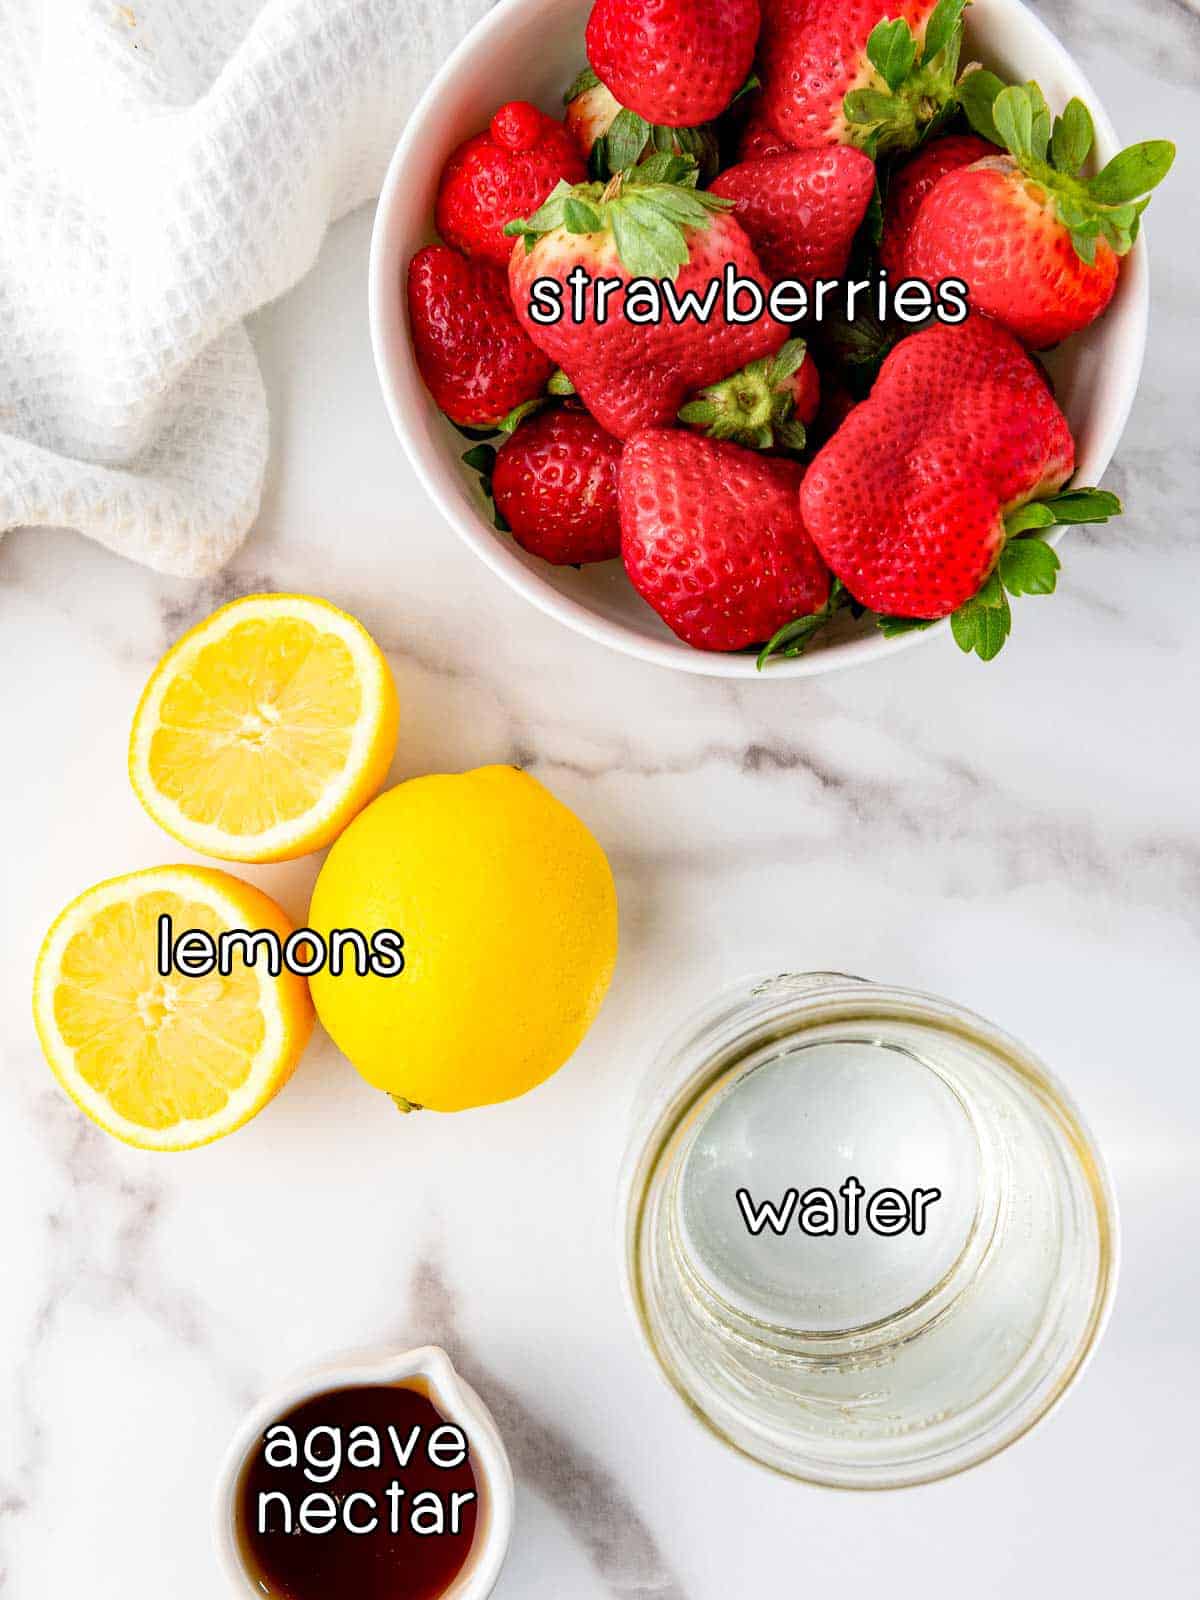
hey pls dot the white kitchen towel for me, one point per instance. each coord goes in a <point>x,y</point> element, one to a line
<point>166,166</point>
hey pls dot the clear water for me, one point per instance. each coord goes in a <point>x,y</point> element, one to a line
<point>811,1118</point>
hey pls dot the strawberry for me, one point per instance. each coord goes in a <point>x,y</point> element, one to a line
<point>1038,245</point>
<point>676,63</point>
<point>591,111</point>
<point>934,496</point>
<point>873,73</point>
<point>801,210</point>
<point>611,137</point>
<point>645,224</point>
<point>760,140</point>
<point>909,186</point>
<point>503,173</point>
<point>713,538</point>
<point>476,360</point>
<point>768,403</point>
<point>555,484</point>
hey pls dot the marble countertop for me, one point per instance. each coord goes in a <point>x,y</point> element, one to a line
<point>1020,837</point>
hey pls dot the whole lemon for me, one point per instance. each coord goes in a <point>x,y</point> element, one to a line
<point>508,913</point>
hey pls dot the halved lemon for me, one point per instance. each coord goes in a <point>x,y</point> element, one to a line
<point>265,729</point>
<point>166,1063</point>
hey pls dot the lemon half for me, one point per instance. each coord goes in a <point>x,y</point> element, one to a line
<point>166,1063</point>
<point>265,729</point>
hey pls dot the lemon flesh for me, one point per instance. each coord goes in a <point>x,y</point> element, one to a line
<point>166,1063</point>
<point>508,911</point>
<point>265,729</point>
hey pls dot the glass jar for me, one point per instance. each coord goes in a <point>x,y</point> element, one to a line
<point>868,1237</point>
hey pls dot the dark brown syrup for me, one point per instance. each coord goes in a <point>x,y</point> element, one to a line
<point>394,1562</point>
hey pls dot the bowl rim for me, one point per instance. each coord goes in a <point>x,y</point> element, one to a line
<point>396,371</point>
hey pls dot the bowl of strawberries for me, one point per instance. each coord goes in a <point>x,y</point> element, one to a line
<point>764,336</point>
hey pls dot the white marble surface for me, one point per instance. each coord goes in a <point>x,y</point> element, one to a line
<point>1021,837</point>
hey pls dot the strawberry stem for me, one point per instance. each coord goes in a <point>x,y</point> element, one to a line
<point>913,83</point>
<point>650,210</point>
<point>755,407</point>
<point>1053,154</point>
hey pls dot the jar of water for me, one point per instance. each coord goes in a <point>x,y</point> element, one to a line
<point>868,1237</point>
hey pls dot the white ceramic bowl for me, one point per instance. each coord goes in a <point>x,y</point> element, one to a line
<point>530,50</point>
<point>456,1401</point>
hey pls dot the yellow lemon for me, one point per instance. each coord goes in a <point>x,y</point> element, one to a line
<point>166,1063</point>
<point>265,729</point>
<point>508,913</point>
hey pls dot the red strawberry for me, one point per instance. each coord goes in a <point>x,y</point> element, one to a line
<point>914,180</point>
<point>802,209</point>
<point>760,140</point>
<point>713,539</point>
<point>872,73</point>
<point>1038,245</point>
<point>770,402</point>
<point>919,501</point>
<point>504,173</point>
<point>674,62</point>
<point>591,111</point>
<point>477,362</point>
<point>632,375</point>
<point>555,484</point>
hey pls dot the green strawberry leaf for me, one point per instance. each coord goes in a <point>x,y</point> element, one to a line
<point>790,435</point>
<point>649,244</point>
<point>1013,116</point>
<point>1034,515</point>
<point>983,623</point>
<point>1084,242</point>
<point>941,28</point>
<point>892,51</point>
<point>1022,120</point>
<point>1073,137</point>
<point>560,384</point>
<point>794,638</point>
<point>626,139</point>
<point>752,83</point>
<point>787,361</point>
<point>548,216</point>
<point>586,81</point>
<point>1083,505</point>
<point>580,217</point>
<point>1029,566</point>
<point>977,95</point>
<point>1042,124</point>
<point>649,210</point>
<point>483,461</point>
<point>893,627</point>
<point>1133,173</point>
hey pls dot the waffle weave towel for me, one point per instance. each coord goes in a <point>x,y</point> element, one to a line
<point>166,166</point>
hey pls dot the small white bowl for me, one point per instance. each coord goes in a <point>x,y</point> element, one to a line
<point>530,50</point>
<point>456,1401</point>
